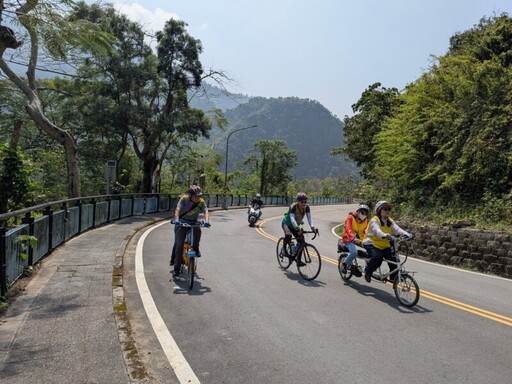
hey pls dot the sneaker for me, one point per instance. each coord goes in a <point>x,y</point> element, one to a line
<point>355,271</point>
<point>300,263</point>
<point>367,277</point>
<point>171,262</point>
<point>175,272</point>
<point>344,268</point>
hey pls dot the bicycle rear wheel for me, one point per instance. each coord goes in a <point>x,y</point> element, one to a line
<point>406,290</point>
<point>347,274</point>
<point>282,258</point>
<point>311,260</point>
<point>191,271</point>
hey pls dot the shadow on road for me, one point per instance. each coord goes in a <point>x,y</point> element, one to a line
<point>181,287</point>
<point>379,291</point>
<point>294,276</point>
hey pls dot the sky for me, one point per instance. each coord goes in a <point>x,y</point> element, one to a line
<point>324,50</point>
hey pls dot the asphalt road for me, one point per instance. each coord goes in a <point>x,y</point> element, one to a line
<point>248,321</point>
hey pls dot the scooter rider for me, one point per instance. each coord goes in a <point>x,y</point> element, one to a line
<point>256,200</point>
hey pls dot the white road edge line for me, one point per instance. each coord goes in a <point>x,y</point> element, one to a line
<point>179,364</point>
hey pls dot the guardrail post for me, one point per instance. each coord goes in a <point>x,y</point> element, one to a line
<point>3,264</point>
<point>29,220</point>
<point>79,205</point>
<point>120,207</point>
<point>93,213</point>
<point>48,211</point>
<point>133,205</point>
<point>109,200</point>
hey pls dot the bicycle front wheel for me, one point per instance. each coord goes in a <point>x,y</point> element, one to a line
<point>191,271</point>
<point>309,262</point>
<point>282,258</point>
<point>406,290</point>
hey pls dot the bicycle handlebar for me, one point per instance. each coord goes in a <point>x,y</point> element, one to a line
<point>186,225</point>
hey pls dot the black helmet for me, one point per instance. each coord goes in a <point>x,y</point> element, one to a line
<point>195,190</point>
<point>301,196</point>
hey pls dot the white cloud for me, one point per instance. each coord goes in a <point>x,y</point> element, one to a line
<point>151,20</point>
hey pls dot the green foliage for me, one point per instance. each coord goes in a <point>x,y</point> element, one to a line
<point>370,112</point>
<point>271,163</point>
<point>25,242</point>
<point>16,188</point>
<point>445,146</point>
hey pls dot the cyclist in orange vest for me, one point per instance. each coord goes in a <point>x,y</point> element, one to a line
<point>356,226</point>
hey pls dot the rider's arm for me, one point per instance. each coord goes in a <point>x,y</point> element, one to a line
<point>375,229</point>
<point>399,231</point>
<point>292,219</point>
<point>310,219</point>
<point>348,230</point>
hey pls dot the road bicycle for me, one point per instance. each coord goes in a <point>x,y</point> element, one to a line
<point>405,286</point>
<point>305,255</point>
<point>189,256</point>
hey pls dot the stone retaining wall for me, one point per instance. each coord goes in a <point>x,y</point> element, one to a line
<point>485,251</point>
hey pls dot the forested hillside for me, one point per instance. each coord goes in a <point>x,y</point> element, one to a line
<point>305,125</point>
<point>444,143</point>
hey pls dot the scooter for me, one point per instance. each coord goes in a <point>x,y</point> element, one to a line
<point>254,215</point>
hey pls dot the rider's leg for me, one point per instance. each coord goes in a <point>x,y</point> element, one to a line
<point>352,252</point>
<point>374,263</point>
<point>181,233</point>
<point>387,256</point>
<point>197,238</point>
<point>173,254</point>
<point>287,237</point>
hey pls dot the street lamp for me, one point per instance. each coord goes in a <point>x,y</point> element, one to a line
<point>224,204</point>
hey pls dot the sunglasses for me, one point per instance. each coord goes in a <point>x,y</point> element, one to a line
<point>303,201</point>
<point>386,209</point>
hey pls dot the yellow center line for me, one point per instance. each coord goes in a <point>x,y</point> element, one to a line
<point>429,295</point>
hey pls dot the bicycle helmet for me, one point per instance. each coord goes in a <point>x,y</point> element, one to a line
<point>195,190</point>
<point>381,204</point>
<point>301,196</point>
<point>363,208</point>
<point>258,195</point>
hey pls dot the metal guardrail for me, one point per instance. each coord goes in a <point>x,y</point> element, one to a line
<point>54,223</point>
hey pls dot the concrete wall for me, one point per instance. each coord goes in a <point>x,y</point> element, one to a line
<point>485,251</point>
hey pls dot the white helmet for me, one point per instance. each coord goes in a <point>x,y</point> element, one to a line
<point>380,205</point>
<point>258,195</point>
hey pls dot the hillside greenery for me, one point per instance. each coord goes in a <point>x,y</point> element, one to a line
<point>442,148</point>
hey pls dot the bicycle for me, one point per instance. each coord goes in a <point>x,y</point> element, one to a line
<point>189,256</point>
<point>405,286</point>
<point>305,255</point>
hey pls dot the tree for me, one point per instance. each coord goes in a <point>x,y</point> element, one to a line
<point>273,162</point>
<point>448,144</point>
<point>370,112</point>
<point>144,95</point>
<point>47,30</point>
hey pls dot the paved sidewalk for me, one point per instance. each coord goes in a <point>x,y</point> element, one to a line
<point>68,325</point>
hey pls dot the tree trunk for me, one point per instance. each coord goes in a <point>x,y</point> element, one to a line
<point>149,168</point>
<point>66,139</point>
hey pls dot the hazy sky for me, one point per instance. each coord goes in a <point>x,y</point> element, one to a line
<point>326,50</point>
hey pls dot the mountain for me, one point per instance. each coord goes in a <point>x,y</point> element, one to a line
<point>305,125</point>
